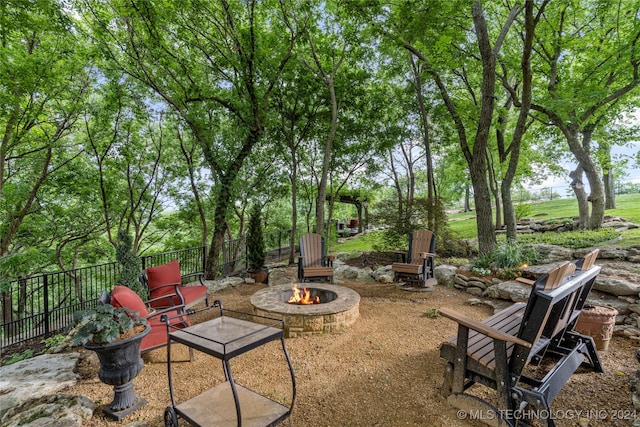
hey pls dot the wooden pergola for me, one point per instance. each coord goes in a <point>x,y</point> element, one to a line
<point>360,204</point>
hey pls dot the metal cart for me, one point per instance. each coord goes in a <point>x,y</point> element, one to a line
<point>228,403</point>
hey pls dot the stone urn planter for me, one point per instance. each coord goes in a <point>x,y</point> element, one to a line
<point>597,321</point>
<point>115,334</point>
<point>120,363</point>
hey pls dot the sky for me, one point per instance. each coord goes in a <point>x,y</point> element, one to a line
<point>560,182</point>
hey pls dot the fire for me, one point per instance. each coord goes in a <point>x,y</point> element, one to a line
<point>302,296</point>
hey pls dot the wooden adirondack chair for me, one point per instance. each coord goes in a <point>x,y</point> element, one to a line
<point>313,263</point>
<point>568,268</point>
<point>416,266</point>
<point>495,352</point>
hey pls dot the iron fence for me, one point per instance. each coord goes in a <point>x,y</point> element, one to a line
<point>42,305</point>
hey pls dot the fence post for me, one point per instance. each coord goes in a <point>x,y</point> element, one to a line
<point>204,258</point>
<point>47,320</point>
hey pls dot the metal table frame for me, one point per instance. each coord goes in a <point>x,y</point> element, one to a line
<point>225,337</point>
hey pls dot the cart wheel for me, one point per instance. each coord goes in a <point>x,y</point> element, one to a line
<point>170,417</point>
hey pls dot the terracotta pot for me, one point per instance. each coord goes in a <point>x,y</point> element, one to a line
<point>597,321</point>
<point>260,276</point>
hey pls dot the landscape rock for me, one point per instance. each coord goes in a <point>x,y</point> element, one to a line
<point>509,290</point>
<point>223,283</point>
<point>36,377</point>
<point>616,286</point>
<point>553,253</point>
<point>346,272</point>
<point>445,275</point>
<point>612,253</point>
<point>382,271</point>
<point>342,256</point>
<point>282,276</point>
<point>54,410</point>
<point>601,298</point>
<point>365,273</point>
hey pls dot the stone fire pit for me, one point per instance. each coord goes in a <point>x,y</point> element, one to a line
<point>341,310</point>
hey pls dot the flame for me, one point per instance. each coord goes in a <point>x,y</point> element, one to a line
<point>302,296</point>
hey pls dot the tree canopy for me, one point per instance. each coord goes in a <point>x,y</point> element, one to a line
<point>166,120</point>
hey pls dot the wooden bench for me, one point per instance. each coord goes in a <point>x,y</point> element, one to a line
<point>495,352</point>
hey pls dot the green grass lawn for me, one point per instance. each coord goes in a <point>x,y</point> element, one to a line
<point>464,224</point>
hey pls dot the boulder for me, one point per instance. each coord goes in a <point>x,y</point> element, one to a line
<point>553,253</point>
<point>510,290</point>
<point>282,276</point>
<point>346,272</point>
<point>612,253</point>
<point>445,275</point>
<point>55,410</point>
<point>601,298</point>
<point>365,273</point>
<point>36,377</point>
<point>382,271</point>
<point>616,286</point>
<point>224,283</point>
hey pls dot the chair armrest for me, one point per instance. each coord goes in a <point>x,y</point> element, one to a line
<point>199,274</point>
<point>400,255</point>
<point>481,328</point>
<point>179,309</point>
<point>175,293</point>
<point>425,255</point>
<point>526,281</point>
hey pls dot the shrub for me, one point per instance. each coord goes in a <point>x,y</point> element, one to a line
<point>256,254</point>
<point>509,255</point>
<point>523,210</point>
<point>130,265</point>
<point>572,239</point>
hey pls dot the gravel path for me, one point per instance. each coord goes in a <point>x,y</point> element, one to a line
<point>384,370</point>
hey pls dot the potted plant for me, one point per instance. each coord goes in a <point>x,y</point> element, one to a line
<point>115,335</point>
<point>256,254</point>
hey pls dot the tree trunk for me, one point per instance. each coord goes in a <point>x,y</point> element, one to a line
<point>223,200</point>
<point>478,165</point>
<point>493,186</point>
<point>578,189</point>
<point>467,198</point>
<point>525,106</point>
<point>424,120</point>
<point>293,176</point>
<point>609,189</point>
<point>596,196</point>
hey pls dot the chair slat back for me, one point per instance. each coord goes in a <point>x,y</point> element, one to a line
<point>420,241</point>
<point>557,275</point>
<point>549,310</point>
<point>589,260</point>
<point>311,249</point>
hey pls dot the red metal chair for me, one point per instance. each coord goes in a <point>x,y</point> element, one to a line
<point>164,283</point>
<point>121,296</point>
